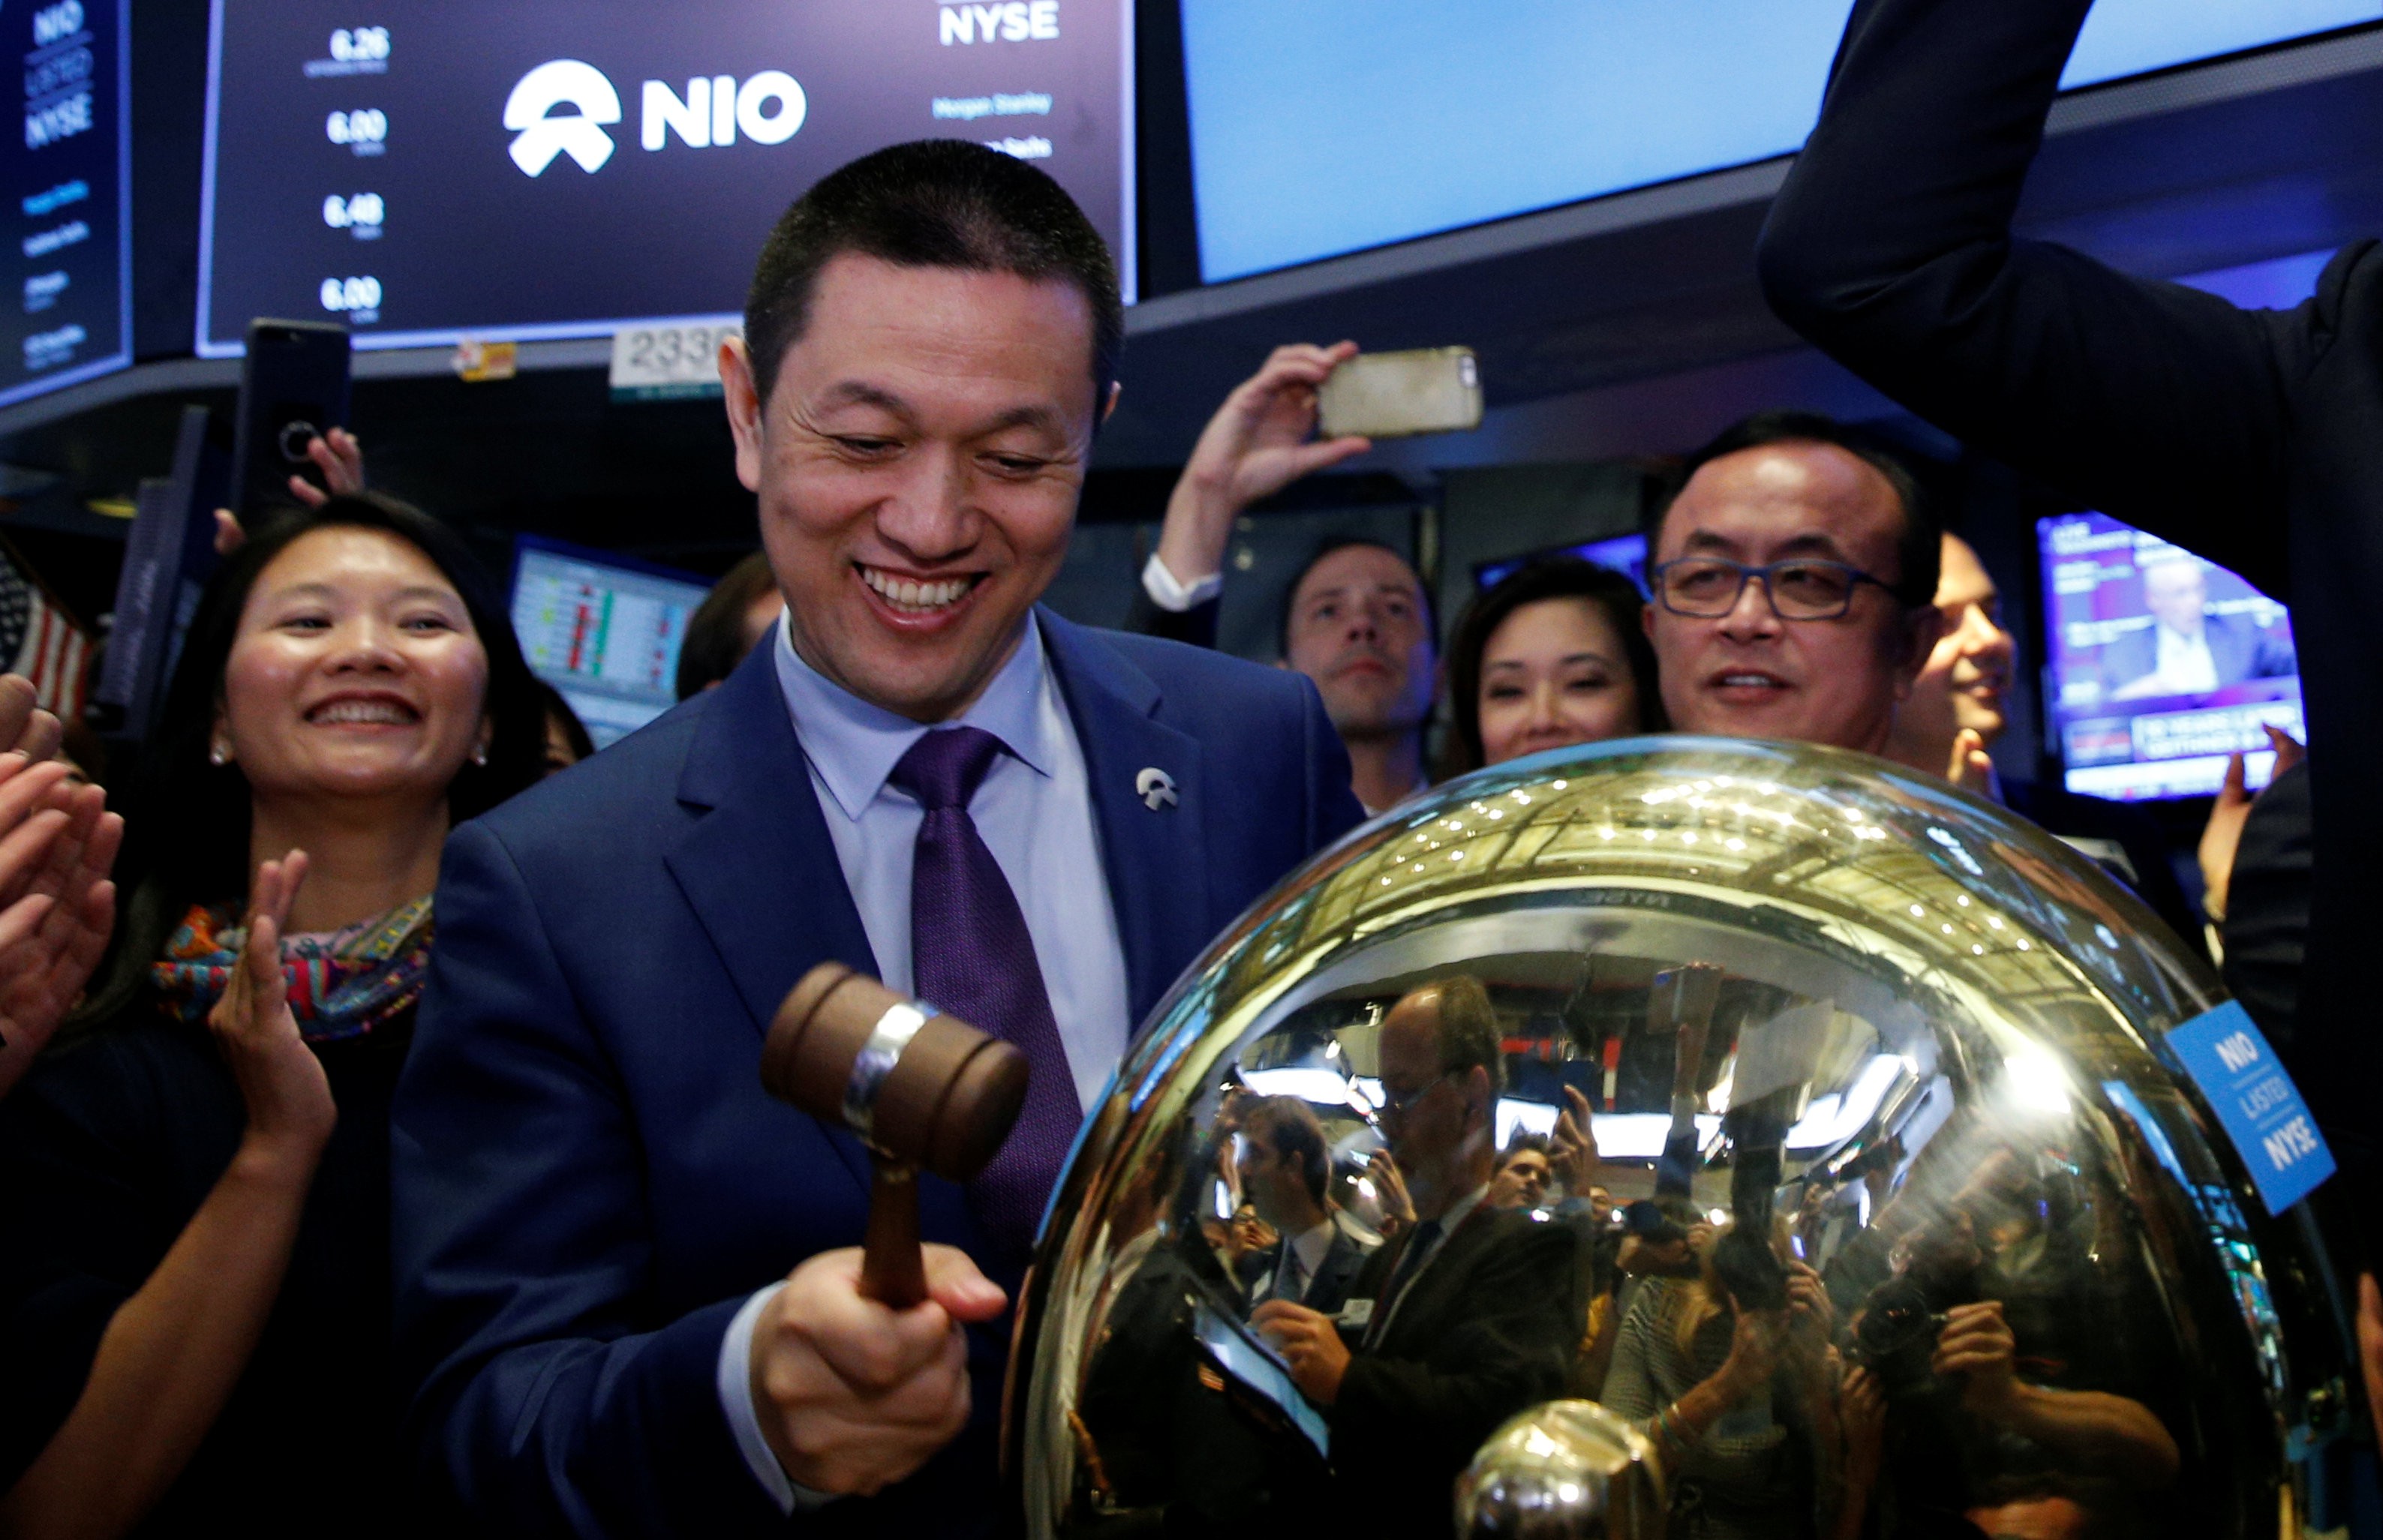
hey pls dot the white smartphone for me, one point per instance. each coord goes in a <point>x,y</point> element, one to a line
<point>1398,395</point>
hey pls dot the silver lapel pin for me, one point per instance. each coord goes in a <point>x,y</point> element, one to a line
<point>1155,787</point>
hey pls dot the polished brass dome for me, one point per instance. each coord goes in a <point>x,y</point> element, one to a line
<point>1918,1225</point>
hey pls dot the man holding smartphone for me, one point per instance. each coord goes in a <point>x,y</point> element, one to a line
<point>1357,619</point>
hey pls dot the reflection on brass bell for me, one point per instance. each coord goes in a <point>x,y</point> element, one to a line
<point>1563,1470</point>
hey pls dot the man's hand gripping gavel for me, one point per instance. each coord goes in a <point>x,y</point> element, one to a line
<point>860,1370</point>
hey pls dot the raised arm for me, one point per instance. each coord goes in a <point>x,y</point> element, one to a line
<point>1890,247</point>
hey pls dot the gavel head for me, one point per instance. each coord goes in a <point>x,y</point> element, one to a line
<point>915,1085</point>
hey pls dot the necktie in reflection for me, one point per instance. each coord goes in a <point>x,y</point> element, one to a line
<point>971,955</point>
<point>1420,1242</point>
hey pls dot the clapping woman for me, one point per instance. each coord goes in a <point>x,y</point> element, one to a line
<point>193,1233</point>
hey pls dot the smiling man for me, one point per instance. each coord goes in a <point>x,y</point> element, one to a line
<point>626,1277</point>
<point>1794,576</point>
<point>1963,686</point>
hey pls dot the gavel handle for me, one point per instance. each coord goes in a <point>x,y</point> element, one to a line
<point>892,1271</point>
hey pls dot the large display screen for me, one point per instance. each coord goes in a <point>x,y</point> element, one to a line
<point>603,630</point>
<point>68,177</point>
<point>2159,664</point>
<point>541,169</point>
<point>1329,126</point>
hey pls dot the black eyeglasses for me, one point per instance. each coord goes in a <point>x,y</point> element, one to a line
<point>1403,1102</point>
<point>1706,587</point>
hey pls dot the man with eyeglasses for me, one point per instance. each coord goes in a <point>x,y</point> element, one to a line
<point>1464,1319</point>
<point>1795,579</point>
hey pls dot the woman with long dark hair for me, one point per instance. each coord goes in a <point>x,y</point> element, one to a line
<point>1550,655</point>
<point>194,1230</point>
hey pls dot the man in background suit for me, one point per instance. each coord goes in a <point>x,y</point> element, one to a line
<point>1284,1168</point>
<point>626,1277</point>
<point>2187,651</point>
<point>1469,1316</point>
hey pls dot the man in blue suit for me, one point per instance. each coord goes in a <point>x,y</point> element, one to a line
<point>625,1277</point>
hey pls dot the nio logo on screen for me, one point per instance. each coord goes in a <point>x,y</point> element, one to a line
<point>538,138</point>
<point>766,109</point>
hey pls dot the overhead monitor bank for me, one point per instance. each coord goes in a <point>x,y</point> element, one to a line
<point>549,168</point>
<point>1383,120</point>
<point>65,197</point>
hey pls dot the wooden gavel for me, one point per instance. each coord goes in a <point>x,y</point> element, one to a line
<point>920,1089</point>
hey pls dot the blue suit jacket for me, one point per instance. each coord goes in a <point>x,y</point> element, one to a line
<point>589,1179</point>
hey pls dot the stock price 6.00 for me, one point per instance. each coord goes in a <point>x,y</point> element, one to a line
<point>351,296</point>
<point>363,126</point>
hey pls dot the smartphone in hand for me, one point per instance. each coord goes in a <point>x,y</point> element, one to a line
<point>1400,394</point>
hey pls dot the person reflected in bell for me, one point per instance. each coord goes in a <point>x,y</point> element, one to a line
<point>1524,1173</point>
<point>1966,1438</point>
<point>1469,1317</point>
<point>1286,1168</point>
<point>1730,1373</point>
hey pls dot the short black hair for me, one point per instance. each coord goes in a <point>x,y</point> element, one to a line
<point>714,643</point>
<point>1333,546</point>
<point>1293,1130</point>
<point>1920,549</point>
<point>933,202</point>
<point>1548,578</point>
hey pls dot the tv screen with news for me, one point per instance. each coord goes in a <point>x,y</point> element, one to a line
<point>2158,664</point>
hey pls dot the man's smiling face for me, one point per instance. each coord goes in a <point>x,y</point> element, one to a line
<point>918,464</point>
<point>1749,673</point>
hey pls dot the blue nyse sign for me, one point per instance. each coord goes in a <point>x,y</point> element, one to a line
<point>2256,1101</point>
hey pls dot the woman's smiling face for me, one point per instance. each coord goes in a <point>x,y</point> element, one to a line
<point>355,672</point>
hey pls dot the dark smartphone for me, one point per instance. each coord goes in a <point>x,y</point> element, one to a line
<point>293,386</point>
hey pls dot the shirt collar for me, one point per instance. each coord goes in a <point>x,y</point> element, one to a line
<point>855,743</point>
<point>1311,1245</point>
<point>1456,1213</point>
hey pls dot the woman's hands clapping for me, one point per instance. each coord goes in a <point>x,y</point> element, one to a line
<point>281,1082</point>
<point>57,907</point>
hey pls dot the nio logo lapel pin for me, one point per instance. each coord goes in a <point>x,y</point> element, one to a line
<point>1155,788</point>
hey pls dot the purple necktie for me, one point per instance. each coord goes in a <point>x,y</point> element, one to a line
<point>970,954</point>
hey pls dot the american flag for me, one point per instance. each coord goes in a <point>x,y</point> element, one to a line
<point>40,639</point>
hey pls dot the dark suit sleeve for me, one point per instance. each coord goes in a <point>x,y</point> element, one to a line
<point>548,1403</point>
<point>1505,1345</point>
<point>1890,247</point>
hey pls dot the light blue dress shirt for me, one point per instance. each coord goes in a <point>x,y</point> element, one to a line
<point>1034,811</point>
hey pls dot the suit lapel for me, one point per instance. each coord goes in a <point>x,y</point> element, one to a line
<point>758,868</point>
<point>1442,1274</point>
<point>1157,866</point>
